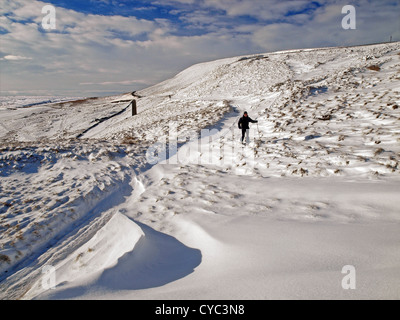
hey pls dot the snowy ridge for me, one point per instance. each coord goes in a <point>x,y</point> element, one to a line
<point>322,164</point>
<point>30,101</point>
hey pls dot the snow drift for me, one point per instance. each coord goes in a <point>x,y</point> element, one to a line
<point>314,190</point>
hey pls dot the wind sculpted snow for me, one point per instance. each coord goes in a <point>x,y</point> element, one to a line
<point>315,189</point>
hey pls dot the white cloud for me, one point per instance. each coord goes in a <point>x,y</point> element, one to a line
<point>82,47</point>
<point>107,83</point>
<point>265,10</point>
<point>87,51</point>
<point>375,23</point>
<point>15,58</point>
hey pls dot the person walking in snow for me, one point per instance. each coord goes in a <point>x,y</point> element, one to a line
<point>244,125</point>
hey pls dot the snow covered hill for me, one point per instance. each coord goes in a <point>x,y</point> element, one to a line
<point>315,189</point>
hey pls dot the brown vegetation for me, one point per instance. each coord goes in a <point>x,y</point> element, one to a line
<point>374,68</point>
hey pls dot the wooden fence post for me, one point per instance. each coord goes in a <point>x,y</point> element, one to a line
<point>134,108</point>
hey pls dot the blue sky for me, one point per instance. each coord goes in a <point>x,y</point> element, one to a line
<point>140,9</point>
<point>102,47</point>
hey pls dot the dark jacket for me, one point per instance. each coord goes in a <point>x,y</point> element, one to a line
<point>244,122</point>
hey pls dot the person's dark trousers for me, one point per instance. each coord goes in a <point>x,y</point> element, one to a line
<point>245,132</point>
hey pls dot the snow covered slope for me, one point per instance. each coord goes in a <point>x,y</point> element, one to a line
<point>315,189</point>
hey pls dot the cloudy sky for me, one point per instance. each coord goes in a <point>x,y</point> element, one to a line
<point>102,47</point>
